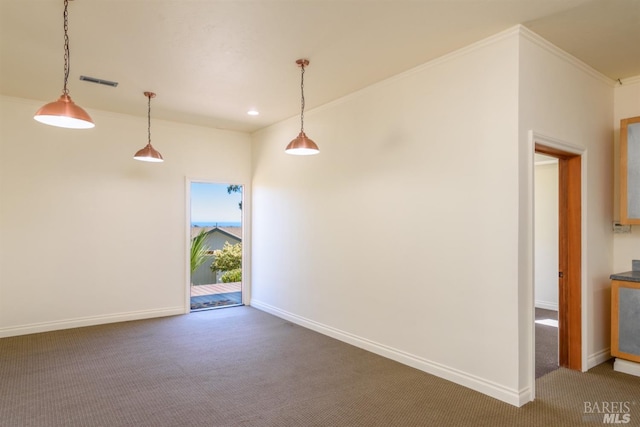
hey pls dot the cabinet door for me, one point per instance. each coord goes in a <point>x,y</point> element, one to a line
<point>630,170</point>
<point>625,317</point>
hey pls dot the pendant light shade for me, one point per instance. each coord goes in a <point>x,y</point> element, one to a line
<point>302,145</point>
<point>64,112</point>
<point>148,153</point>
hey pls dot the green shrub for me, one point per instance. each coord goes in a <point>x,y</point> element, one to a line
<point>232,276</point>
<point>228,258</point>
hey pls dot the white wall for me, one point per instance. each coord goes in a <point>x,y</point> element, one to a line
<point>401,236</point>
<point>107,234</point>
<point>563,99</point>
<point>627,104</point>
<point>428,177</point>
<point>546,235</point>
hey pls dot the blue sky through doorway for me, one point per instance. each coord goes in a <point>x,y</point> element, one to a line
<point>212,204</point>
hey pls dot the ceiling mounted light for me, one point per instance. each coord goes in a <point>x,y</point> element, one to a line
<point>64,112</point>
<point>302,145</point>
<point>148,153</point>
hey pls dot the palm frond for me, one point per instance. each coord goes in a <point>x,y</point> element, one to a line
<point>199,249</point>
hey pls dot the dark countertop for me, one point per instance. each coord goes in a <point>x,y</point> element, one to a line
<point>627,276</point>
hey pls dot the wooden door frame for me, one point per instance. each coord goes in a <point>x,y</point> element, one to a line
<point>570,253</point>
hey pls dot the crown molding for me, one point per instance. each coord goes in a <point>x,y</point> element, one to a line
<point>517,30</point>
<point>555,50</point>
<point>630,81</point>
<point>510,32</point>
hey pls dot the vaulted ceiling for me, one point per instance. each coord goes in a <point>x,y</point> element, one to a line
<point>210,61</point>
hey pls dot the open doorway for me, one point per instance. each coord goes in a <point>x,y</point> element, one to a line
<point>569,260</point>
<point>546,264</point>
<point>215,224</point>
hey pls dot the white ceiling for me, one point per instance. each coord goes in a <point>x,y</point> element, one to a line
<point>209,61</point>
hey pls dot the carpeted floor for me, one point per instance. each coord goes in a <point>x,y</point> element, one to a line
<point>546,343</point>
<point>242,367</point>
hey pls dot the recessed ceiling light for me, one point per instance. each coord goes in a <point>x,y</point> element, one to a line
<point>253,112</point>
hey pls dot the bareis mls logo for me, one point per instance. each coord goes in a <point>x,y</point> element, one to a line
<point>608,412</point>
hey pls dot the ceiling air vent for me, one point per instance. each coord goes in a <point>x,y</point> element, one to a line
<point>98,81</point>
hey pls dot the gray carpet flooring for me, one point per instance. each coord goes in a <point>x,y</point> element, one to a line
<point>546,343</point>
<point>242,367</point>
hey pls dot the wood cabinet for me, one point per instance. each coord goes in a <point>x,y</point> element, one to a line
<point>630,170</point>
<point>625,320</point>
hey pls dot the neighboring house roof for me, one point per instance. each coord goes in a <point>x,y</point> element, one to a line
<point>233,232</point>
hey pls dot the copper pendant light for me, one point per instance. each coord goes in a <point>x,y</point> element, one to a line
<point>302,145</point>
<point>148,153</point>
<point>64,112</point>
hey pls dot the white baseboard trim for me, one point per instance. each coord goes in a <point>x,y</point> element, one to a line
<point>78,322</point>
<point>500,392</point>
<point>627,367</point>
<point>546,305</point>
<point>597,358</point>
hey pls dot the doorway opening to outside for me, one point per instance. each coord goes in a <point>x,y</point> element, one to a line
<point>215,245</point>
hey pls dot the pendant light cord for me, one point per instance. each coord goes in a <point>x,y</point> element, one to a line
<point>302,102</point>
<point>149,118</point>
<point>65,91</point>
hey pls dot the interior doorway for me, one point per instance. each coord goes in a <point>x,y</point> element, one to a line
<point>215,250</point>
<point>546,264</point>
<point>569,254</point>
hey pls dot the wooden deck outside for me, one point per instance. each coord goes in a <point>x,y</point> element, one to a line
<point>218,288</point>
